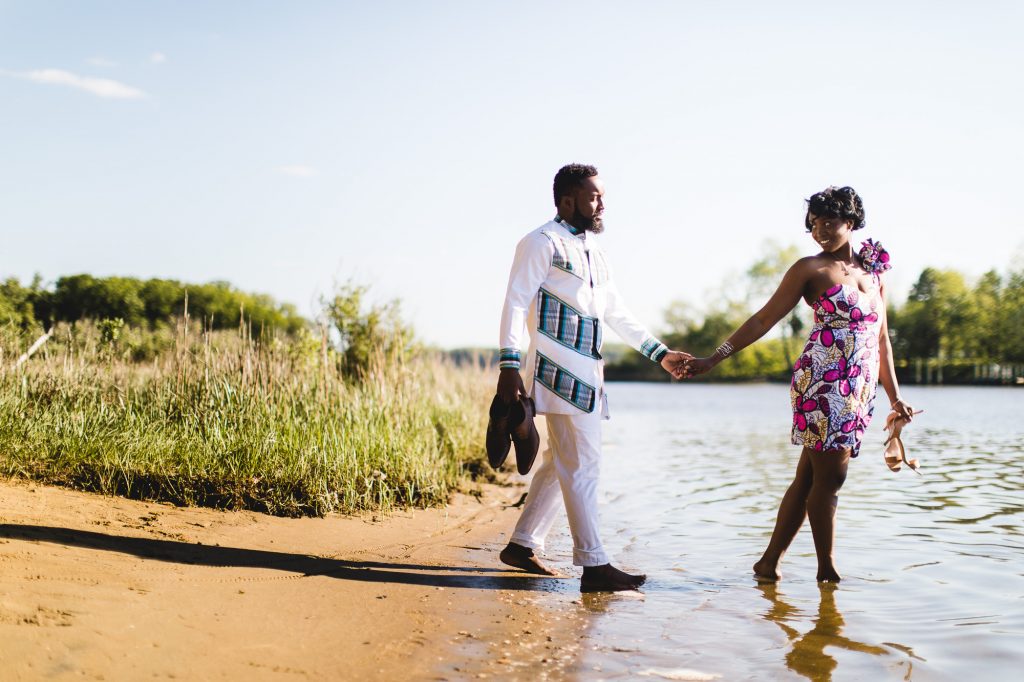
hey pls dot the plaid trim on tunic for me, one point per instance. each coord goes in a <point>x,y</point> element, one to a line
<point>565,384</point>
<point>575,230</point>
<point>509,358</point>
<point>653,349</point>
<point>568,256</point>
<point>560,322</point>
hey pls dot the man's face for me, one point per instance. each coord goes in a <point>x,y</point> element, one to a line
<point>588,200</point>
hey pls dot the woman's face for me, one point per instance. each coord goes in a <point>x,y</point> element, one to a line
<point>830,233</point>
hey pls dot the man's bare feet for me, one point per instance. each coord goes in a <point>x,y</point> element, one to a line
<point>518,556</point>
<point>765,571</point>
<point>828,574</point>
<point>607,578</point>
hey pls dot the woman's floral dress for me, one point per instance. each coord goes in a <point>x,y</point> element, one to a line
<point>833,387</point>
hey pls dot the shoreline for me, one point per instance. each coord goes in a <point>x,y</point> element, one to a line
<point>100,587</point>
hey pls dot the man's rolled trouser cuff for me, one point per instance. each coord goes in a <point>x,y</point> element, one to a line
<point>527,541</point>
<point>596,557</point>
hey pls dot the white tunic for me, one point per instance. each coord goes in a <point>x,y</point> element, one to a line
<point>561,293</point>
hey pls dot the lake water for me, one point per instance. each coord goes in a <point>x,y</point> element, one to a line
<point>933,565</point>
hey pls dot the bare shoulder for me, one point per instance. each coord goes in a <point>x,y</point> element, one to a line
<point>807,266</point>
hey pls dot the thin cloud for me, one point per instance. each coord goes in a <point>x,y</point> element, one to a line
<point>101,87</point>
<point>158,58</point>
<point>298,171</point>
<point>102,62</point>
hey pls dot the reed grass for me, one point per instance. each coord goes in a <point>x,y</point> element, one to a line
<point>225,420</point>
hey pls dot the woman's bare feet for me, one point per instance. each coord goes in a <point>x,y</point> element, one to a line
<point>828,574</point>
<point>518,556</point>
<point>607,578</point>
<point>765,571</point>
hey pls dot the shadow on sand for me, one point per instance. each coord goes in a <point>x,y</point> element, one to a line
<point>306,565</point>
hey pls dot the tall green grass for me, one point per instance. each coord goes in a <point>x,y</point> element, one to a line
<point>224,420</point>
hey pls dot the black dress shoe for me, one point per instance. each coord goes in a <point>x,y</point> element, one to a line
<point>603,585</point>
<point>607,578</point>
<point>524,558</point>
<point>524,434</point>
<point>498,440</point>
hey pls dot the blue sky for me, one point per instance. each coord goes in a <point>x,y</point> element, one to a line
<point>285,146</point>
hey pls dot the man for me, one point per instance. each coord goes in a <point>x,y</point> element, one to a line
<point>560,287</point>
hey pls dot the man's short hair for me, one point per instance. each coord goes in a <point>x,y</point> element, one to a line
<point>568,178</point>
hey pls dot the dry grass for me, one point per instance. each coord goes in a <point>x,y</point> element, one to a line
<point>225,420</point>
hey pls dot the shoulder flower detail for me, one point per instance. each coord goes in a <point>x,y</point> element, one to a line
<point>873,257</point>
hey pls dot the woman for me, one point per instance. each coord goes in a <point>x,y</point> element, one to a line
<point>833,387</point>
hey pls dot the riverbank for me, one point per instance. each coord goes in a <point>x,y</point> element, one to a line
<point>98,587</point>
<point>226,420</point>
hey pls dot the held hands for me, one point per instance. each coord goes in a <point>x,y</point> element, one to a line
<point>682,365</point>
<point>674,362</point>
<point>697,366</point>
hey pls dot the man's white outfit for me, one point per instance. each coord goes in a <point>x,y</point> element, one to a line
<point>560,289</point>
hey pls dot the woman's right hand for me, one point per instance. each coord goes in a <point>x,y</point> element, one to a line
<point>697,366</point>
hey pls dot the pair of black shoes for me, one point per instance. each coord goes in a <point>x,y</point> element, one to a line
<point>512,424</point>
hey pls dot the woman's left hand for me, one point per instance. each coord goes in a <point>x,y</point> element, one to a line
<point>903,410</point>
<point>697,366</point>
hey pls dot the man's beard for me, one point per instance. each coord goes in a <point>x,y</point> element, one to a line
<point>581,222</point>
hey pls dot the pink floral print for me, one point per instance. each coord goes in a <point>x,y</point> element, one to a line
<point>835,377</point>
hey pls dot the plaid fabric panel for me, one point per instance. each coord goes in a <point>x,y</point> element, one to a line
<point>568,257</point>
<point>653,349</point>
<point>560,321</point>
<point>574,230</point>
<point>565,384</point>
<point>509,358</point>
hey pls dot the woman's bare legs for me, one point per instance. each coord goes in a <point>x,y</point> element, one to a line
<point>829,470</point>
<point>792,513</point>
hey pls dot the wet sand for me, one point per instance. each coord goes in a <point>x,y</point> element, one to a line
<point>95,587</point>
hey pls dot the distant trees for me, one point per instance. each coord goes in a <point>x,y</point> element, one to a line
<point>138,303</point>
<point>17,303</point>
<point>365,329</point>
<point>134,318</point>
<point>945,318</point>
<point>946,321</point>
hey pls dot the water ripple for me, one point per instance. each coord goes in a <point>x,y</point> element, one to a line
<point>692,477</point>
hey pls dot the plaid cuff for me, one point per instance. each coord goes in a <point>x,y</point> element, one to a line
<point>653,349</point>
<point>508,358</point>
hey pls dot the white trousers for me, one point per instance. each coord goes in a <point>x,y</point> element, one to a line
<point>569,470</point>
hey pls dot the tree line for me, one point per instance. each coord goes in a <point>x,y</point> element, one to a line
<point>961,330</point>
<point>949,329</point>
<point>136,318</point>
<point>148,303</point>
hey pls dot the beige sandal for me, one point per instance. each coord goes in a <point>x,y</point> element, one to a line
<point>895,452</point>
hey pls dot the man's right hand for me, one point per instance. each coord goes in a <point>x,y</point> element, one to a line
<point>510,385</point>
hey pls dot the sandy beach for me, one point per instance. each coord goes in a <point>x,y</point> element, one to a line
<point>95,587</point>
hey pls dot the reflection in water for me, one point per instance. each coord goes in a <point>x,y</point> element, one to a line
<point>806,655</point>
<point>692,476</point>
<point>603,602</point>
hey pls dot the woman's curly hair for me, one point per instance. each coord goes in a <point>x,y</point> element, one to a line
<point>836,202</point>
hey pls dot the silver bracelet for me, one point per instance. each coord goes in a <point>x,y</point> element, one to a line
<point>725,350</point>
